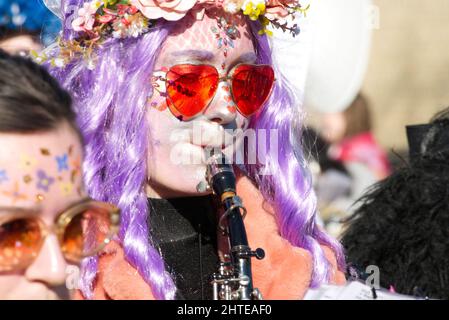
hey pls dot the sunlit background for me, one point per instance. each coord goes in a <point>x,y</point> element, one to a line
<point>407,80</point>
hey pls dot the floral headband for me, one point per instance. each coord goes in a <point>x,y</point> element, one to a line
<point>99,20</point>
<point>131,18</point>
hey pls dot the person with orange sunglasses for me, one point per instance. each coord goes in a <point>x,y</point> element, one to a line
<point>47,221</point>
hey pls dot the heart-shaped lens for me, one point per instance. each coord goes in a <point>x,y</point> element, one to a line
<point>190,88</point>
<point>251,87</point>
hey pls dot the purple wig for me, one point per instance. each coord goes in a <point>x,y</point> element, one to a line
<point>111,100</point>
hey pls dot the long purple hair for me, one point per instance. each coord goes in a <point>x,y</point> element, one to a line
<point>111,100</point>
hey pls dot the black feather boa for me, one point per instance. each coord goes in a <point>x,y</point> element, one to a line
<point>402,225</point>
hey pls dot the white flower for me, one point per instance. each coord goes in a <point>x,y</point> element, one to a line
<point>90,64</point>
<point>139,25</point>
<point>119,29</point>
<point>59,62</point>
<point>231,7</point>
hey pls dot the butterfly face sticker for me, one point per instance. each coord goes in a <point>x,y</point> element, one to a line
<point>62,162</point>
<point>35,180</point>
<point>15,194</point>
<point>3,176</point>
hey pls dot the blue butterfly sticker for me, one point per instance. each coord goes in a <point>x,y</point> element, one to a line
<point>3,176</point>
<point>62,162</point>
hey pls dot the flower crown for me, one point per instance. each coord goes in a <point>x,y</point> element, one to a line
<point>99,20</point>
<point>131,18</point>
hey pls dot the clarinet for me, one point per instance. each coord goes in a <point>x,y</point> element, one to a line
<point>233,281</point>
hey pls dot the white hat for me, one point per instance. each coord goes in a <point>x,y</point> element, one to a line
<point>328,60</point>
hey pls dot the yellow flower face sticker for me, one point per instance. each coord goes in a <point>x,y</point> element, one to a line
<point>66,188</point>
<point>27,162</point>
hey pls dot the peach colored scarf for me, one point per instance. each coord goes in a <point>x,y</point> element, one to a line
<point>284,273</point>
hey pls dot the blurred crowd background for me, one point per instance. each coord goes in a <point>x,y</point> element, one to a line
<point>403,65</point>
<point>404,82</point>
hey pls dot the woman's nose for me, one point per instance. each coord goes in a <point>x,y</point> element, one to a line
<point>50,265</point>
<point>222,108</point>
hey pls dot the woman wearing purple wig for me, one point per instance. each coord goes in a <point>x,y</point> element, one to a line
<point>156,85</point>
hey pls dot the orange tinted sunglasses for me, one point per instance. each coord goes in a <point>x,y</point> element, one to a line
<point>82,230</point>
<point>190,88</point>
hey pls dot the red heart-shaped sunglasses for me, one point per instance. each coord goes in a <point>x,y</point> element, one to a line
<point>190,88</point>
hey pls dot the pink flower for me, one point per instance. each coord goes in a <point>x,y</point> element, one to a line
<point>86,17</point>
<point>276,9</point>
<point>171,10</point>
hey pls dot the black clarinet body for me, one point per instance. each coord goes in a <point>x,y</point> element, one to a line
<point>233,281</point>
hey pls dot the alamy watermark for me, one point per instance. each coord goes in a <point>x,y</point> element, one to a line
<point>373,280</point>
<point>372,17</point>
<point>73,277</point>
<point>249,146</point>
